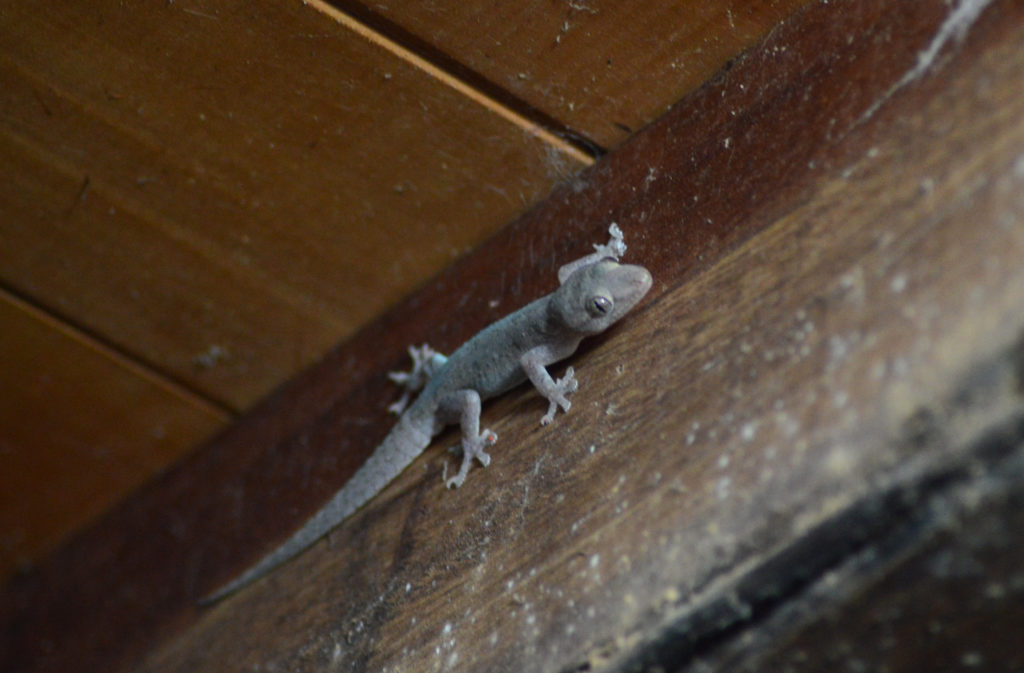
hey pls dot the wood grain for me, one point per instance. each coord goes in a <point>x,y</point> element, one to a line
<point>261,180</point>
<point>949,598</point>
<point>832,262</point>
<point>72,410</point>
<point>600,70</point>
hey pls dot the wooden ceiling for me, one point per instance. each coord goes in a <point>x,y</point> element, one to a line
<point>201,197</point>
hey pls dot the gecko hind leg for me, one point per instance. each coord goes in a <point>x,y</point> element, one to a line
<point>467,404</point>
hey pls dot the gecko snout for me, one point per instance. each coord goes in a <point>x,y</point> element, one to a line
<point>635,281</point>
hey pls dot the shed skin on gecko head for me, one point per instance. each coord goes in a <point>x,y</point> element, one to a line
<point>596,296</point>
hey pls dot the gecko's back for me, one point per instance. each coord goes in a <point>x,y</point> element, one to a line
<point>489,363</point>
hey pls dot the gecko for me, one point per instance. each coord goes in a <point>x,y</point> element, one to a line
<point>594,292</point>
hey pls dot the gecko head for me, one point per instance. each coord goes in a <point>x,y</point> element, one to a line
<point>597,295</point>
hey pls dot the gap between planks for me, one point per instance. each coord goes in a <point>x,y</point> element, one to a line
<point>446,78</point>
<point>109,352</point>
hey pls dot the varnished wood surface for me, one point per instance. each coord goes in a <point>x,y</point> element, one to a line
<point>57,427</point>
<point>223,190</point>
<point>829,260</point>
<point>600,69</point>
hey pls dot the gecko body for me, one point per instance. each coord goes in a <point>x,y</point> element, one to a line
<point>595,292</point>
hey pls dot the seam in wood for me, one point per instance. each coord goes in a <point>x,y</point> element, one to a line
<point>105,349</point>
<point>448,79</point>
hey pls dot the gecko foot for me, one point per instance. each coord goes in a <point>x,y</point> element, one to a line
<point>471,449</point>
<point>557,398</point>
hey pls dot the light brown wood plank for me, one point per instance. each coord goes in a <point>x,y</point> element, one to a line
<point>80,428</point>
<point>224,190</point>
<point>602,68</point>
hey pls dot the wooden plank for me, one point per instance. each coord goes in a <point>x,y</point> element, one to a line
<point>600,70</point>
<point>829,261</point>
<point>225,190</point>
<point>941,593</point>
<point>79,429</point>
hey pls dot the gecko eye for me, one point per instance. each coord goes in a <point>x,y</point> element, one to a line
<point>599,306</point>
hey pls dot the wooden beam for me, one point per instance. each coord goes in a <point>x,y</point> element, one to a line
<point>834,228</point>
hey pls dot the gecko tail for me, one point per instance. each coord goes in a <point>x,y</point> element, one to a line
<point>403,444</point>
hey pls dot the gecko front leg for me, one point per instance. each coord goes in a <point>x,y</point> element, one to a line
<point>562,387</point>
<point>534,364</point>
